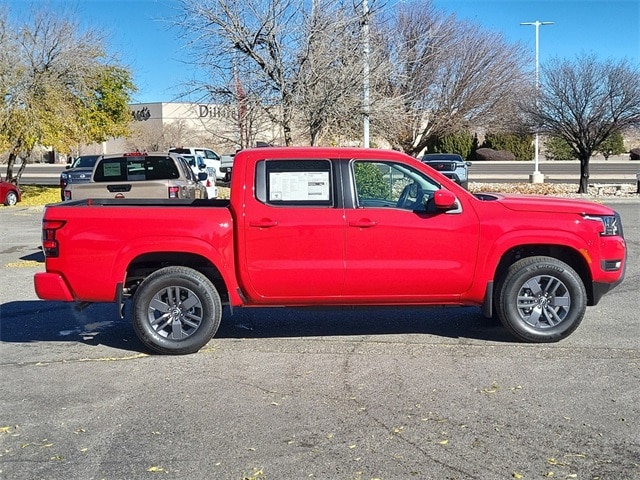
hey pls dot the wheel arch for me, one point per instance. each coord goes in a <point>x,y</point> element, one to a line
<point>145,264</point>
<point>566,254</point>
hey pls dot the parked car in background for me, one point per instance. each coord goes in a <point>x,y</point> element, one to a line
<point>451,165</point>
<point>157,176</point>
<point>226,161</point>
<point>198,166</point>
<point>9,193</point>
<point>226,165</point>
<point>211,158</point>
<point>78,171</point>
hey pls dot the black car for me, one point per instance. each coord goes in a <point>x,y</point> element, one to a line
<point>79,171</point>
<point>451,165</point>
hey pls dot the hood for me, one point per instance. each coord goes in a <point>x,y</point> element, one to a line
<point>540,203</point>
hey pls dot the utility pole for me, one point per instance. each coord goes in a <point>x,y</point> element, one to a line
<point>365,71</point>
<point>536,176</point>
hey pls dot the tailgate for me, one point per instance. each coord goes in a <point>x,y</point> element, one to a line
<point>142,189</point>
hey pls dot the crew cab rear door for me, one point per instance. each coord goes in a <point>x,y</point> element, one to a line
<point>293,234</point>
<point>399,249</point>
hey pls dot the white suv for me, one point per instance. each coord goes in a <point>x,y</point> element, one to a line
<point>198,165</point>
<point>211,158</point>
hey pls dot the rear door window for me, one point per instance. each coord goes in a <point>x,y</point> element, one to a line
<point>208,154</point>
<point>186,169</point>
<point>295,182</point>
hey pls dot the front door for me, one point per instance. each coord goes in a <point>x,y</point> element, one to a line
<point>398,248</point>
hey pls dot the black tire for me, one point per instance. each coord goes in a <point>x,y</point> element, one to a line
<point>11,198</point>
<point>541,300</point>
<point>176,310</point>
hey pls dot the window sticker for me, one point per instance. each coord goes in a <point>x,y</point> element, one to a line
<point>112,169</point>
<point>299,186</point>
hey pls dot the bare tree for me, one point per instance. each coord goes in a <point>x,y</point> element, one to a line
<point>157,137</point>
<point>585,101</point>
<point>253,39</point>
<point>298,62</point>
<point>246,120</point>
<point>302,63</point>
<point>328,99</point>
<point>449,75</point>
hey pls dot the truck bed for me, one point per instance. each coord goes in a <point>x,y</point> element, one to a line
<point>153,202</point>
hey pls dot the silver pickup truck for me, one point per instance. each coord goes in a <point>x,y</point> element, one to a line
<point>157,175</point>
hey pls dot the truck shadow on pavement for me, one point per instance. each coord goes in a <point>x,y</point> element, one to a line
<point>40,321</point>
<point>100,324</point>
<point>460,322</point>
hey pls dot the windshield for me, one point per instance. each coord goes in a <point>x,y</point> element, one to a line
<point>85,161</point>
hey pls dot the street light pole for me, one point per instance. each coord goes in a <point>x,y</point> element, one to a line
<point>365,72</point>
<point>536,176</point>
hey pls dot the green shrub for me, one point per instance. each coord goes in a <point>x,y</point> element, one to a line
<point>461,143</point>
<point>557,148</point>
<point>520,144</point>
<point>613,145</point>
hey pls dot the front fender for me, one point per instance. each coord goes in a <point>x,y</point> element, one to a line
<point>489,257</point>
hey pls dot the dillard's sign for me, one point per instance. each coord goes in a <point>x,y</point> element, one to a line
<point>204,111</point>
<point>141,115</point>
<point>216,111</point>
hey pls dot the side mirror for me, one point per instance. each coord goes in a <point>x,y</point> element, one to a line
<point>202,176</point>
<point>445,200</point>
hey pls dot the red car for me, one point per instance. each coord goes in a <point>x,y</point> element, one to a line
<point>9,193</point>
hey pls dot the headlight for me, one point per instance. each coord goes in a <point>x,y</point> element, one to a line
<point>611,224</point>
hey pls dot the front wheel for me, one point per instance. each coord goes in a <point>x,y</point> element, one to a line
<point>541,299</point>
<point>176,310</point>
<point>11,199</point>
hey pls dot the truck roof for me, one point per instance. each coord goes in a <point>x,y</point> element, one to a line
<point>313,153</point>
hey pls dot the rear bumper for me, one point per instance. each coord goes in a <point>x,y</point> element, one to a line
<point>51,286</point>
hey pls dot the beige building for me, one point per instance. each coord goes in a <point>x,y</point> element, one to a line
<point>160,126</point>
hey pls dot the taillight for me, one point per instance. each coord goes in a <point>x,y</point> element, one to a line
<point>173,192</point>
<point>49,242</point>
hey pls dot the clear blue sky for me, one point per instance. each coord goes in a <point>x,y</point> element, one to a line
<point>140,34</point>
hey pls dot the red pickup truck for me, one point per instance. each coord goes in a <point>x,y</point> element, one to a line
<point>333,226</point>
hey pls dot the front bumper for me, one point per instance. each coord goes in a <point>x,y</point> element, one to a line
<point>614,252</point>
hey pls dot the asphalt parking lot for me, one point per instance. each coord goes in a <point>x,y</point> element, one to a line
<point>327,394</point>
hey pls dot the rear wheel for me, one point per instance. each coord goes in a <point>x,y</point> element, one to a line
<point>541,299</point>
<point>176,310</point>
